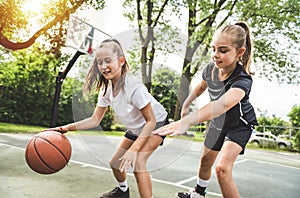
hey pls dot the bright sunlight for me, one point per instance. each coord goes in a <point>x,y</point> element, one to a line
<point>34,6</point>
<point>33,10</point>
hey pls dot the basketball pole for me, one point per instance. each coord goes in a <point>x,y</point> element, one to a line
<point>88,42</point>
<point>59,81</point>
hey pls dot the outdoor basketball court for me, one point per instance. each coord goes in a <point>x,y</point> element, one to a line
<point>173,167</point>
<point>78,179</point>
<point>270,174</point>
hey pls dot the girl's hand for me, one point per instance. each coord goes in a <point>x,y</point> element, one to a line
<point>175,128</point>
<point>58,129</point>
<point>127,160</point>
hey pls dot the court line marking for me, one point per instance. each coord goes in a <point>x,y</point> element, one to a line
<point>181,182</point>
<point>275,164</point>
<point>83,164</point>
<point>177,184</point>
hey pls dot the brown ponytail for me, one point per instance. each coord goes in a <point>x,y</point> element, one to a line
<point>247,57</point>
<point>241,38</point>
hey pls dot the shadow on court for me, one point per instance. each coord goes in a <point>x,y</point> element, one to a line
<point>74,181</point>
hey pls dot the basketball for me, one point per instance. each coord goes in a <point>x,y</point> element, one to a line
<point>48,152</point>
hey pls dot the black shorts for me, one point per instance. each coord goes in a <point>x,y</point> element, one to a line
<point>133,136</point>
<point>215,138</point>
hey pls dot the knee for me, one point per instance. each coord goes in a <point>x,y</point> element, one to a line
<point>114,164</point>
<point>140,165</point>
<point>222,171</point>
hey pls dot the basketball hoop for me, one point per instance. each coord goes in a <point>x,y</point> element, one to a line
<point>83,36</point>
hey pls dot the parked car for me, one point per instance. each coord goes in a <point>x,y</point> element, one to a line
<point>267,139</point>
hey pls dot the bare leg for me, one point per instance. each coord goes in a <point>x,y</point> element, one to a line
<point>208,158</point>
<point>141,173</point>
<point>124,145</point>
<point>228,155</point>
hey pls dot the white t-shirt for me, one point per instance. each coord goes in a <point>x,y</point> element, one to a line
<point>128,103</point>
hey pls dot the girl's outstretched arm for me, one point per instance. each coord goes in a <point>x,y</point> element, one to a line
<point>87,123</point>
<point>207,112</point>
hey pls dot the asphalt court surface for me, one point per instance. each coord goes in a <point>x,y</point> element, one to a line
<point>74,181</point>
<point>87,176</point>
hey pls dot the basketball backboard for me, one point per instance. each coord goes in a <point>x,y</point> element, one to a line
<point>84,37</point>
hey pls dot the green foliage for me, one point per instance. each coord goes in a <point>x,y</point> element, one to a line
<point>164,88</point>
<point>154,29</point>
<point>295,120</point>
<point>118,127</point>
<point>297,140</point>
<point>26,89</point>
<point>295,116</point>
<point>275,26</point>
<point>50,22</point>
<point>97,4</point>
<point>27,86</point>
<point>273,124</point>
<point>12,16</point>
<point>75,106</point>
<point>80,105</point>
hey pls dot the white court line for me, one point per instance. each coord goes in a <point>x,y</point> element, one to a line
<point>274,164</point>
<point>12,146</point>
<point>187,180</point>
<point>213,171</point>
<point>240,161</point>
<point>108,169</point>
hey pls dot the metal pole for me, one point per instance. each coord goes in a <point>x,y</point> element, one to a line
<point>59,81</point>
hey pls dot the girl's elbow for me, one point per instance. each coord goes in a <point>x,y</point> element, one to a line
<point>95,121</point>
<point>220,107</point>
<point>151,123</point>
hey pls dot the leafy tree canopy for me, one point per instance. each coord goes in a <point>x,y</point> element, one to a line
<point>273,124</point>
<point>295,116</point>
<point>16,22</point>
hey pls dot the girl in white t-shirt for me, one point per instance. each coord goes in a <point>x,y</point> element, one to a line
<point>135,108</point>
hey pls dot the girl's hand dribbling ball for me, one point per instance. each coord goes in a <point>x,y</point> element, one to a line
<point>48,152</point>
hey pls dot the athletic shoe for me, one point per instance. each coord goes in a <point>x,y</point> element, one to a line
<point>192,194</point>
<point>116,193</point>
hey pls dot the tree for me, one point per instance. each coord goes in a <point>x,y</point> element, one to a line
<point>164,88</point>
<point>25,88</point>
<point>295,120</point>
<point>271,22</point>
<point>273,124</point>
<point>53,23</point>
<point>149,15</point>
<point>294,116</point>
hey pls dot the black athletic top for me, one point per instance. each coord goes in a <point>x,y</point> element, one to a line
<point>243,111</point>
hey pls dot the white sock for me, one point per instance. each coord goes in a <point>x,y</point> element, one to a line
<point>202,183</point>
<point>123,185</point>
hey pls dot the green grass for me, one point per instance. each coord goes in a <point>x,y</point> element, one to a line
<point>19,128</point>
<point>198,137</point>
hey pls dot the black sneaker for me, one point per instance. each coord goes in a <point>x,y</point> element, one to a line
<point>116,193</point>
<point>189,195</point>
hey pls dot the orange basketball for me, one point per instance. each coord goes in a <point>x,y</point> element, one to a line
<point>48,152</point>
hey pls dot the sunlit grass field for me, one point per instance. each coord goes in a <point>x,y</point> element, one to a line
<point>21,128</point>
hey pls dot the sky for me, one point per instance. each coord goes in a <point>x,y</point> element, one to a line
<point>268,97</point>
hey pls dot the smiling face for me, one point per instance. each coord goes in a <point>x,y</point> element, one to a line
<point>109,63</point>
<point>224,53</point>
